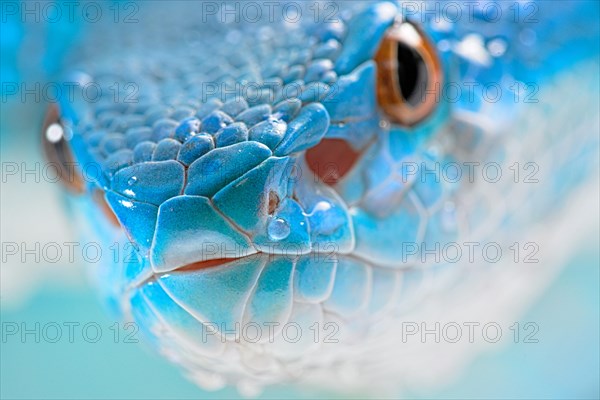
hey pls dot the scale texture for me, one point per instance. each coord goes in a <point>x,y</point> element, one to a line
<point>199,144</point>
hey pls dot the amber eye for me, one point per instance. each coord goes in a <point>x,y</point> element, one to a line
<point>409,74</point>
<point>57,151</point>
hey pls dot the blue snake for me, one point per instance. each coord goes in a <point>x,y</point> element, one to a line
<point>291,171</point>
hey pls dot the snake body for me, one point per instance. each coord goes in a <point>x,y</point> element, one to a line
<point>204,161</point>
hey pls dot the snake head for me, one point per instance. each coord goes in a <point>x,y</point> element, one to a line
<point>263,179</point>
<point>199,180</point>
<point>278,203</point>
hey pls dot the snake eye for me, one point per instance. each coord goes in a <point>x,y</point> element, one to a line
<point>409,74</point>
<point>57,150</point>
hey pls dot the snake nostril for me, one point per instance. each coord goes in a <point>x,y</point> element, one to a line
<point>273,202</point>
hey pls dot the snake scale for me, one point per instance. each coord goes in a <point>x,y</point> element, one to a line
<point>296,171</point>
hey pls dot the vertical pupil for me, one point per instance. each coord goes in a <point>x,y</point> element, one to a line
<point>412,74</point>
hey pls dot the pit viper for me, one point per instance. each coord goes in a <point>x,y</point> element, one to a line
<point>289,183</point>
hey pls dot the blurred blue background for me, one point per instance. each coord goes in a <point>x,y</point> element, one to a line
<point>564,364</point>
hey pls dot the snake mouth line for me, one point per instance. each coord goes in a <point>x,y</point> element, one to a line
<point>201,266</point>
<point>214,264</point>
<point>218,262</point>
<point>151,275</point>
